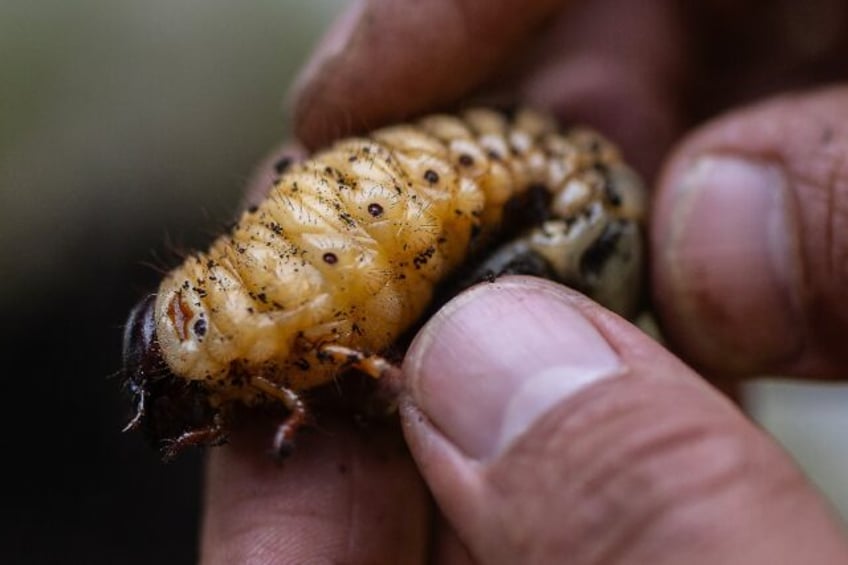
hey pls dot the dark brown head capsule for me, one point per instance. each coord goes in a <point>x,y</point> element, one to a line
<point>167,408</point>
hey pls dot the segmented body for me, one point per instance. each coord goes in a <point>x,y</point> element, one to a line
<point>351,244</point>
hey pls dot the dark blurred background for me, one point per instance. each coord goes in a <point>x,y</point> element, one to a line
<point>128,130</point>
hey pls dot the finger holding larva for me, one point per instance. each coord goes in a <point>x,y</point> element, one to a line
<point>349,247</point>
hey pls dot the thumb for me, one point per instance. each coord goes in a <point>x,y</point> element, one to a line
<point>550,430</point>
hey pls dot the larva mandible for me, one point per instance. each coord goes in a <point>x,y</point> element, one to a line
<point>348,249</point>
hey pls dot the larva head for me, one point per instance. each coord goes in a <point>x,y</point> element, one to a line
<point>167,406</point>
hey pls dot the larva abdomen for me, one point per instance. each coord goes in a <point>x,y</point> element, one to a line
<point>350,246</point>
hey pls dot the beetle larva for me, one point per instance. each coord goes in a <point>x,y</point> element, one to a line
<point>348,249</point>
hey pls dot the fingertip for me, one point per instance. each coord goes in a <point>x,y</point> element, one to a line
<point>745,238</point>
<point>498,357</point>
<point>639,461</point>
<point>334,43</point>
<point>727,272</point>
<point>388,61</point>
<point>343,495</point>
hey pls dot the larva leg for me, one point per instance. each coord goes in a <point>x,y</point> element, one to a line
<point>286,431</point>
<point>140,412</point>
<point>346,357</point>
<point>213,434</point>
<point>388,375</point>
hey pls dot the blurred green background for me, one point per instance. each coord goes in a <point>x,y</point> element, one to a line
<point>127,119</point>
<point>126,130</point>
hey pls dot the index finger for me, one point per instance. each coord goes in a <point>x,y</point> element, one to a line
<point>343,496</point>
<point>387,60</point>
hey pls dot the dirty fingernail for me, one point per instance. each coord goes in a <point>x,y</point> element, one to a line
<point>731,260</point>
<point>499,357</point>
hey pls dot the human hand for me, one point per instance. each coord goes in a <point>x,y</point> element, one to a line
<point>545,428</point>
<point>548,430</point>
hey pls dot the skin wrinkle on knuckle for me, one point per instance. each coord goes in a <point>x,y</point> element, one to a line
<point>822,173</point>
<point>838,222</point>
<point>248,514</point>
<point>257,512</point>
<point>814,157</point>
<point>258,540</point>
<point>620,496</point>
<point>700,517</point>
<point>824,259</point>
<point>678,491</point>
<point>343,532</point>
<point>828,183</point>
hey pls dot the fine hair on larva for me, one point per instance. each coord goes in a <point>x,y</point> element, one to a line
<point>350,246</point>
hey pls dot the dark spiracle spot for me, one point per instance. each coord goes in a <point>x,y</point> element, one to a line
<point>330,258</point>
<point>431,176</point>
<point>466,160</point>
<point>375,209</point>
<point>200,327</point>
<point>283,164</point>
